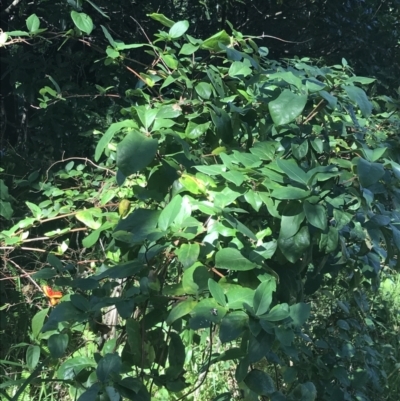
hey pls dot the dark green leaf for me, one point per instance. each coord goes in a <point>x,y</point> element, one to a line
<point>57,344</point>
<point>300,313</point>
<point>259,382</point>
<point>369,173</point>
<point>135,152</point>
<point>263,296</point>
<point>109,366</point>
<point>358,96</point>
<point>232,326</point>
<point>316,215</point>
<point>294,247</point>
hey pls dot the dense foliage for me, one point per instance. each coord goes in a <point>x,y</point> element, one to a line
<point>227,210</point>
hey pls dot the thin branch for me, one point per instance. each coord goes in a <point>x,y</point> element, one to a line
<point>77,158</point>
<point>282,40</point>
<point>26,275</point>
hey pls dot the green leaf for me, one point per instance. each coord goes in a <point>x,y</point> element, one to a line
<point>278,312</point>
<point>263,296</point>
<point>194,130</point>
<point>253,198</point>
<point>369,173</point>
<point>135,152</point>
<point>64,312</point>
<point>133,331</point>
<point>284,335</point>
<point>304,392</point>
<point>188,49</point>
<point>54,261</point>
<point>222,122</point>
<point>316,215</point>
<point>290,193</point>
<point>212,43</point>
<point>216,81</point>
<point>176,355</point>
<point>82,22</point>
<point>90,218</point>
<point>195,279</point>
<point>178,29</point>
<point>169,213</point>
<point>108,135</point>
<point>204,90</point>
<point>374,154</point>
<point>32,23</point>
<point>232,259</point>
<point>238,295</point>
<point>32,356</point>
<point>207,311</point>
<point>237,225</point>
<point>36,211</point>
<point>108,36</point>
<point>291,221</point>
<point>161,18</point>
<point>44,274</point>
<point>217,292</point>
<point>286,107</point>
<point>239,69</point>
<point>57,344</point>
<point>288,77</point>
<point>292,170</point>
<point>73,366</point>
<point>358,96</point>
<point>233,325</point>
<point>300,313</point>
<point>294,247</point>
<point>329,241</point>
<point>146,115</point>
<point>188,254</point>
<point>37,322</point>
<point>260,382</point>
<point>6,210</point>
<point>181,309</point>
<point>94,236</point>
<point>109,366</point>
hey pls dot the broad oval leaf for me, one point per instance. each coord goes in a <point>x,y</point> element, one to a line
<point>109,367</point>
<point>260,382</point>
<point>286,107</point>
<point>316,215</point>
<point>57,344</point>
<point>278,312</point>
<point>135,152</point>
<point>369,173</point>
<point>178,29</point>
<point>32,23</point>
<point>233,325</point>
<point>82,22</point>
<point>232,259</point>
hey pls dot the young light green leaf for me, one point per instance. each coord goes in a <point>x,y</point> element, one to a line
<point>82,22</point>
<point>32,23</point>
<point>178,29</point>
